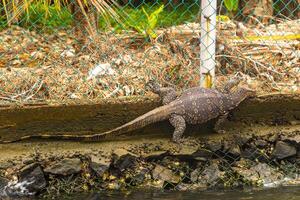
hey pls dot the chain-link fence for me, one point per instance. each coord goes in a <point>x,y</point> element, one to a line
<point>62,51</point>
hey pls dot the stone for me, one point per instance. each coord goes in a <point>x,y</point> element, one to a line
<point>165,174</point>
<point>248,175</point>
<point>208,176</point>
<point>156,155</point>
<point>260,174</point>
<point>3,183</point>
<point>253,153</point>
<point>242,139</point>
<point>283,150</point>
<point>204,153</point>
<point>139,177</point>
<point>98,168</point>
<point>124,162</point>
<point>31,181</point>
<point>5,165</point>
<point>65,167</point>
<point>215,146</point>
<point>261,143</point>
<point>121,152</point>
<point>273,138</point>
<point>234,151</point>
<point>292,139</point>
<point>195,174</point>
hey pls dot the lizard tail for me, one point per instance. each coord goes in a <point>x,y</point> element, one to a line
<point>45,136</point>
<point>156,115</point>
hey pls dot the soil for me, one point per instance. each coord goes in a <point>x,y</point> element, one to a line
<point>42,67</point>
<point>257,157</point>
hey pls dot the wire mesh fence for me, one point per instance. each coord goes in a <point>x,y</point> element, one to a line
<point>63,51</point>
<point>59,50</point>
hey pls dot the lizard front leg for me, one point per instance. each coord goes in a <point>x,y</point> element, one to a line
<point>217,127</point>
<point>167,94</point>
<point>178,123</point>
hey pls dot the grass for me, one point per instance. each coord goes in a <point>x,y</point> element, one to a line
<point>49,17</point>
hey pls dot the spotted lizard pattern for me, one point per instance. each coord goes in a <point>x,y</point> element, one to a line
<point>194,106</point>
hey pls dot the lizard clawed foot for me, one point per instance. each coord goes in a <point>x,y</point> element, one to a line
<point>185,140</point>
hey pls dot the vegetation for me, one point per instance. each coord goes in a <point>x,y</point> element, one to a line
<point>133,18</point>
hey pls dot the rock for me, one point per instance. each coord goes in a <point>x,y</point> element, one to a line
<point>261,143</point>
<point>156,155</point>
<point>122,152</point>
<point>98,168</point>
<point>234,151</point>
<point>242,139</point>
<point>31,181</point>
<point>165,174</point>
<point>208,176</point>
<point>273,138</point>
<point>36,176</point>
<point>100,160</point>
<point>253,153</point>
<point>260,174</point>
<point>3,183</point>
<point>249,175</point>
<point>139,178</point>
<point>195,174</point>
<point>65,167</point>
<point>283,150</point>
<point>292,139</point>
<point>204,153</point>
<point>5,165</point>
<point>124,162</point>
<point>214,146</point>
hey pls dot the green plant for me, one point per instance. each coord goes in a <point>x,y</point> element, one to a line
<point>49,16</point>
<point>231,5</point>
<point>147,26</point>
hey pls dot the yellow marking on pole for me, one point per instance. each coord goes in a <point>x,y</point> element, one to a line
<point>208,80</point>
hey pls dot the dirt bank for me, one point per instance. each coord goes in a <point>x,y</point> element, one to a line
<point>261,147</point>
<point>85,118</point>
<point>260,158</point>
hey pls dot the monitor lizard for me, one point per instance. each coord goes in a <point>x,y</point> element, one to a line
<point>194,106</point>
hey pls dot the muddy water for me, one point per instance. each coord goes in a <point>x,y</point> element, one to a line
<point>284,193</point>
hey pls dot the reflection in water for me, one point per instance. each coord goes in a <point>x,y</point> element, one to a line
<point>285,193</point>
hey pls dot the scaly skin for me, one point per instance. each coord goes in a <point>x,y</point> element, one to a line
<point>194,106</point>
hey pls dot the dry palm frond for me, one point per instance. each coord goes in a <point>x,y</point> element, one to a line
<point>15,8</point>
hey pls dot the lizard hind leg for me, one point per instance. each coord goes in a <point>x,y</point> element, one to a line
<point>179,124</point>
<point>167,94</point>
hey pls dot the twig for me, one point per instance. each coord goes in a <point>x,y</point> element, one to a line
<point>27,91</point>
<point>38,89</point>
<point>113,93</point>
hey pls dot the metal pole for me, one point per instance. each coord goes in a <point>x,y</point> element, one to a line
<point>208,43</point>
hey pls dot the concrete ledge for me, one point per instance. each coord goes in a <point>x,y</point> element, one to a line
<point>85,118</point>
